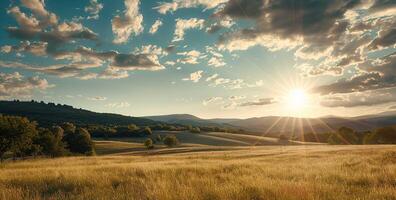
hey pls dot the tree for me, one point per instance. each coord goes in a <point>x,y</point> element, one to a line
<point>384,135</point>
<point>132,128</point>
<point>171,140</point>
<point>51,142</point>
<point>16,135</point>
<point>344,135</point>
<point>283,139</point>
<point>158,138</point>
<point>195,130</point>
<point>68,127</point>
<point>147,131</point>
<point>149,143</point>
<point>80,142</point>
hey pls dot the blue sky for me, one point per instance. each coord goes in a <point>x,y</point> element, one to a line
<point>217,58</point>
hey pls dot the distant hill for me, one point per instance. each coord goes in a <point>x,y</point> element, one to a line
<point>275,125</point>
<point>184,119</point>
<point>49,114</point>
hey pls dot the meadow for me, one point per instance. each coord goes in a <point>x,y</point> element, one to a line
<point>261,172</point>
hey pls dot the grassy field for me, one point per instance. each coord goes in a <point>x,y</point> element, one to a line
<point>266,172</point>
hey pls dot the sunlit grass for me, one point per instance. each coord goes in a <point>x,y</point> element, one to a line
<point>290,172</point>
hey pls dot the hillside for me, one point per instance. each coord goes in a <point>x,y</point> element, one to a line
<point>49,114</point>
<point>273,125</point>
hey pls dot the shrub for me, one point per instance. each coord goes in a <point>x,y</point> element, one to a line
<point>149,143</point>
<point>147,131</point>
<point>195,130</point>
<point>171,140</point>
<point>80,142</point>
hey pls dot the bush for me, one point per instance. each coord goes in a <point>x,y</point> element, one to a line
<point>171,141</point>
<point>147,131</point>
<point>80,142</point>
<point>195,130</point>
<point>149,143</point>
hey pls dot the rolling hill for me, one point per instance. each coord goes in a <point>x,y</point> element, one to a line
<point>49,114</point>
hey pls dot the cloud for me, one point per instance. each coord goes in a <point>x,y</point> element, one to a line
<point>217,58</point>
<point>97,98</point>
<point>259,102</point>
<point>358,99</point>
<point>155,26</point>
<point>211,100</point>
<point>128,24</point>
<point>16,85</point>
<point>165,7</point>
<point>335,34</point>
<point>35,48</point>
<point>191,57</point>
<point>184,24</point>
<point>151,49</point>
<point>93,8</point>
<point>234,98</point>
<point>232,83</point>
<point>38,9</point>
<point>194,77</point>
<point>118,105</point>
<point>113,73</point>
<point>377,74</point>
<point>210,78</point>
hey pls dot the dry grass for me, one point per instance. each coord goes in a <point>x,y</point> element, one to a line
<point>293,172</point>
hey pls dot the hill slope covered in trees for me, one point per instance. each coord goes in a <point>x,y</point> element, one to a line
<point>50,114</point>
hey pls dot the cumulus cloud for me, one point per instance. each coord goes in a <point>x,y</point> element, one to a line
<point>377,74</point>
<point>113,73</point>
<point>217,58</point>
<point>259,102</point>
<point>194,77</point>
<point>16,85</point>
<point>165,7</point>
<point>336,35</point>
<point>211,100</point>
<point>184,24</point>
<point>359,99</point>
<point>35,48</point>
<point>93,8</point>
<point>131,23</point>
<point>191,57</point>
<point>151,49</point>
<point>155,26</point>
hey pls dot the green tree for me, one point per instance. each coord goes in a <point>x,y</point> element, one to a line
<point>344,135</point>
<point>147,131</point>
<point>16,135</point>
<point>80,142</point>
<point>149,143</point>
<point>51,142</point>
<point>171,141</point>
<point>384,135</point>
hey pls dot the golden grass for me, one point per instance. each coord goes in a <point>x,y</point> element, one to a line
<point>292,172</point>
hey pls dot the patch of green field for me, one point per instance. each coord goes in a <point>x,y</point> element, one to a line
<point>265,172</point>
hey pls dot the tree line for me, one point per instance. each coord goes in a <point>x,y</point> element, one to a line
<point>20,138</point>
<point>346,135</point>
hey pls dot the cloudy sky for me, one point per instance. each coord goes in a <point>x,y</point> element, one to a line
<point>210,58</point>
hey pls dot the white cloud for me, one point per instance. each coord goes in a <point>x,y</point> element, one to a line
<point>16,85</point>
<point>211,100</point>
<point>165,7</point>
<point>118,105</point>
<point>131,23</point>
<point>93,8</point>
<point>97,98</point>
<point>155,26</point>
<point>212,77</point>
<point>191,57</point>
<point>194,77</point>
<point>185,24</point>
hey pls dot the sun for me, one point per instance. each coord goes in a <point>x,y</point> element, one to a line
<point>297,98</point>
